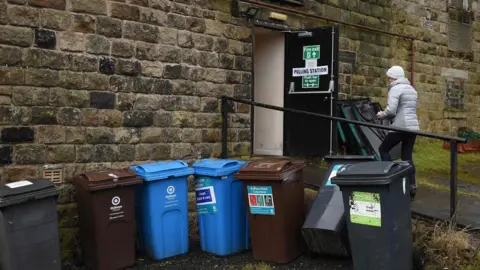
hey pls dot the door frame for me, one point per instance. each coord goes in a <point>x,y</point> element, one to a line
<point>334,140</point>
<point>336,66</point>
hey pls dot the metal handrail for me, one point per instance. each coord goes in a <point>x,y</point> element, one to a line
<point>453,140</point>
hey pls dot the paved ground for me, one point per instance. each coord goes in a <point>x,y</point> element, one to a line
<point>435,203</point>
<point>197,259</point>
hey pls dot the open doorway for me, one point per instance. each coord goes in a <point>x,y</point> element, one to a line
<point>269,62</point>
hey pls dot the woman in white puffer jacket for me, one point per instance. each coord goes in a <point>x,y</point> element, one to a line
<point>402,110</point>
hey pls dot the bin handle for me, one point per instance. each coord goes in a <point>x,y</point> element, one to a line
<point>231,164</point>
<point>183,162</point>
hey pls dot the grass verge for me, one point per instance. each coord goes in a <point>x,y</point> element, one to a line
<point>431,160</point>
<point>444,246</point>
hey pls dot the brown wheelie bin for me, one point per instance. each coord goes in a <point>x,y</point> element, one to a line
<point>274,190</point>
<point>106,210</point>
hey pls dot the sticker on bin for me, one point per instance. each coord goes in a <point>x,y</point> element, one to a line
<point>205,194</point>
<point>19,184</point>
<point>333,174</point>
<point>365,209</point>
<point>171,198</point>
<point>116,209</point>
<point>260,200</point>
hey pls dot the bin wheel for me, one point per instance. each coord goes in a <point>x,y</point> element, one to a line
<point>418,258</point>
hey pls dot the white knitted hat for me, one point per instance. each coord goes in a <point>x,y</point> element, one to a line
<point>396,72</point>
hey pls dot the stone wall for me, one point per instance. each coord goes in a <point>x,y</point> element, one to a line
<point>89,84</point>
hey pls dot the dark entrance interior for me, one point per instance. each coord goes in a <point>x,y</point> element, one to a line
<point>278,133</point>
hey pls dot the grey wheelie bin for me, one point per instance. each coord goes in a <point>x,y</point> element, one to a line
<point>376,198</point>
<point>28,226</point>
<point>324,229</point>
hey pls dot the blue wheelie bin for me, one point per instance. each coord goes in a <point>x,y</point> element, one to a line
<point>221,207</point>
<point>163,208</point>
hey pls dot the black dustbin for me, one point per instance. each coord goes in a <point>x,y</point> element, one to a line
<point>29,226</point>
<point>377,204</point>
<point>324,229</point>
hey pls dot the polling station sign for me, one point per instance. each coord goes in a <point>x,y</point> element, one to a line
<point>310,71</point>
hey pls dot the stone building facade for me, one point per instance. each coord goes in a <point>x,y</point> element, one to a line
<point>88,84</point>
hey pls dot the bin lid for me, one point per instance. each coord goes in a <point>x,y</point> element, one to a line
<point>349,158</point>
<point>106,179</point>
<point>21,191</point>
<point>269,170</point>
<point>370,173</point>
<point>217,167</point>
<point>162,170</point>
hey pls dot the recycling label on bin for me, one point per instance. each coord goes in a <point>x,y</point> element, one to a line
<point>171,199</point>
<point>205,194</point>
<point>365,209</point>
<point>116,209</point>
<point>260,200</point>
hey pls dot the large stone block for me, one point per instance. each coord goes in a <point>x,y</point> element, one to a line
<point>84,63</point>
<point>75,135</point>
<point>60,97</point>
<point>23,16</point>
<point>16,36</point>
<point>71,80</point>
<point>30,96</point>
<point>100,135</point>
<point>10,115</point>
<point>30,154</point>
<point>18,173</point>
<point>99,117</point>
<point>72,42</point>
<point>141,32</point>
<point>137,118</point>
<point>146,51</point>
<point>12,76</point>
<point>105,153</point>
<point>152,16</point>
<point>148,102</point>
<point>95,81</point>
<point>89,6</point>
<point>182,151</point>
<point>44,116</point>
<point>55,4</point>
<point>60,154</point>
<point>83,23</point>
<point>125,12</point>
<point>97,45</point>
<point>55,19</point>
<point>42,77</point>
<point>203,42</point>
<point>157,151</point>
<point>163,5</point>
<point>17,135</point>
<point>167,36</point>
<point>182,119</point>
<point>123,48</point>
<point>127,135</point>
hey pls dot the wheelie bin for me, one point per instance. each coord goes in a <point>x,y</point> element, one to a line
<point>106,211</point>
<point>163,208</point>
<point>275,200</point>
<point>376,199</point>
<point>325,229</point>
<point>221,207</point>
<point>29,226</point>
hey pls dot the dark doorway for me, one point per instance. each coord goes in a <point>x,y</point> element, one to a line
<point>307,136</point>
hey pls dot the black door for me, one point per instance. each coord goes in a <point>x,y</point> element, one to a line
<point>308,72</point>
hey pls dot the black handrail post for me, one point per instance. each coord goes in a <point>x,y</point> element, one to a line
<point>453,180</point>
<point>224,108</point>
